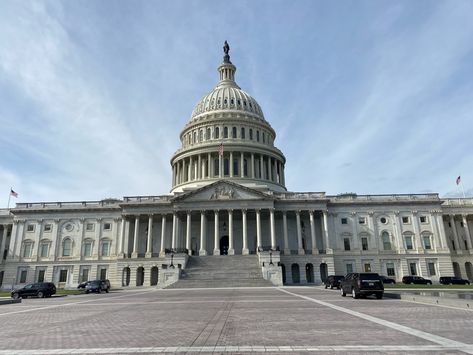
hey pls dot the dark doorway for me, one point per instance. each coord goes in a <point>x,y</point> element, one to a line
<point>224,245</point>
<point>283,271</point>
<point>296,276</point>
<point>126,277</point>
<point>140,275</point>
<point>323,272</point>
<point>154,276</point>
<point>309,273</point>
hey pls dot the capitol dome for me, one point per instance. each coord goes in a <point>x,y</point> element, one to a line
<point>228,138</point>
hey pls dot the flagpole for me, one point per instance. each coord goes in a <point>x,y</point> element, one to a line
<point>9,197</point>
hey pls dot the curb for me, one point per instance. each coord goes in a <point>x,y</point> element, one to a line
<point>10,301</point>
<point>441,301</point>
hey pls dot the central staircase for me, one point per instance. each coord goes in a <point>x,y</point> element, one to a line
<point>221,271</point>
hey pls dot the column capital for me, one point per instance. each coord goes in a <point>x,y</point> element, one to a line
<point>100,219</point>
<point>464,216</point>
<point>188,212</point>
<point>151,215</point>
<point>230,211</point>
<point>257,210</point>
<point>216,212</point>
<point>202,212</point>
<point>272,210</point>
<point>243,210</point>
<point>353,213</point>
<point>371,213</point>
<point>396,213</point>
<point>414,213</point>
<point>82,220</point>
<point>311,212</point>
<point>116,219</point>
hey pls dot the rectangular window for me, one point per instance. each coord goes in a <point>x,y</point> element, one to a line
<point>89,227</point>
<point>413,269</point>
<point>85,275</point>
<point>47,227</point>
<point>105,248</point>
<point>364,243</point>
<point>405,220</point>
<point>349,268</point>
<point>107,226</point>
<point>28,247</point>
<point>409,245</point>
<point>344,221</point>
<point>88,249</point>
<point>367,267</point>
<point>40,276</point>
<point>63,276</point>
<point>427,244</point>
<point>103,274</point>
<point>423,219</point>
<point>390,269</point>
<point>361,220</point>
<point>30,228</point>
<point>346,243</point>
<point>431,267</point>
<point>44,250</point>
<point>23,275</point>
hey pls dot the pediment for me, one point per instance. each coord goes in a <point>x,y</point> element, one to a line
<point>222,191</point>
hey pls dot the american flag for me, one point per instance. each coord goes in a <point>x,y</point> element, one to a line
<point>13,193</point>
<point>220,149</point>
<point>459,180</point>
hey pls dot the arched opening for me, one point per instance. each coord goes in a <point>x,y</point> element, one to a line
<point>226,170</point>
<point>309,273</point>
<point>468,267</point>
<point>296,276</point>
<point>456,270</point>
<point>154,276</point>
<point>126,276</point>
<point>235,167</point>
<point>140,275</point>
<point>283,271</point>
<point>234,132</point>
<point>1,277</point>
<point>245,167</point>
<point>323,272</point>
<point>224,245</point>
<point>225,132</point>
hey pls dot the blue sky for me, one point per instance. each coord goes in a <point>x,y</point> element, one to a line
<point>369,97</point>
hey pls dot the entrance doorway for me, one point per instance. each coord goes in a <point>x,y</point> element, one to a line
<point>323,272</point>
<point>224,245</point>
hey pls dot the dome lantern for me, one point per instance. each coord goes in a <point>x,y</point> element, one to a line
<point>227,69</point>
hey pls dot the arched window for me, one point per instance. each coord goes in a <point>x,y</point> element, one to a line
<point>216,167</point>
<point>207,136</point>
<point>245,167</point>
<point>257,136</point>
<point>235,167</point>
<point>201,135</point>
<point>217,132</point>
<point>242,133</point>
<point>225,132</point>
<point>251,134</point>
<point>105,248</point>
<point>67,247</point>
<point>27,248</point>
<point>386,240</point>
<point>296,277</point>
<point>264,140</point>
<point>225,167</point>
<point>87,247</point>
<point>195,137</point>
<point>234,132</point>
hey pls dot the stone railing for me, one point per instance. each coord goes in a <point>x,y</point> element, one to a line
<point>163,198</point>
<point>390,197</point>
<point>73,204</point>
<point>299,195</point>
<point>458,201</point>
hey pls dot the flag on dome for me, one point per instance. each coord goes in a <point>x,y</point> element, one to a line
<point>220,149</point>
<point>459,180</point>
<point>13,193</point>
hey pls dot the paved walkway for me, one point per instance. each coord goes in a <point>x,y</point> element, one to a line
<point>244,320</point>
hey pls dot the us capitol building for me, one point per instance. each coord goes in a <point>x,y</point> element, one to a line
<point>229,213</point>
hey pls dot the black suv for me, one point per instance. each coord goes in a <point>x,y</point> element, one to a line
<point>333,281</point>
<point>362,284</point>
<point>387,280</point>
<point>39,289</point>
<point>453,280</point>
<point>97,286</point>
<point>418,280</point>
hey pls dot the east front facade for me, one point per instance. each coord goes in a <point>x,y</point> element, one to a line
<point>229,200</point>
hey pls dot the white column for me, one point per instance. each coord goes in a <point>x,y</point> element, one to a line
<point>245,250</point>
<point>121,238</point>
<point>467,231</point>
<point>136,237</point>
<point>149,243</point>
<point>191,168</point>
<point>98,235</point>
<point>203,249</point>
<point>209,165</point>
<point>252,166</point>
<point>258,229</point>
<point>4,240</point>
<point>441,227</point>
<point>188,233</point>
<point>301,250</point>
<point>286,240</point>
<point>398,230</point>
<point>114,245</point>
<point>283,177</point>
<point>415,220</point>
<point>436,233</point>
<point>270,169</point>
<point>231,249</point>
<point>174,230</point>
<point>199,168</point>
<point>231,164</point>
<point>261,167</point>
<point>178,174</point>
<point>315,250</point>
<point>216,235</point>
<point>126,241</point>
<point>162,252</point>
<point>242,165</point>
<point>220,165</point>
<point>328,248</point>
<point>272,229</point>
<point>356,244</point>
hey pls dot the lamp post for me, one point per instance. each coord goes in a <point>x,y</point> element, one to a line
<point>172,259</point>
<point>271,258</point>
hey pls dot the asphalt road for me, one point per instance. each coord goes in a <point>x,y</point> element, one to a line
<point>244,320</point>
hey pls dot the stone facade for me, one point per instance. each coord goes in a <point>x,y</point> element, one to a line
<point>228,196</point>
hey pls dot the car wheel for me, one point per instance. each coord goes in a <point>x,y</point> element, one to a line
<point>342,292</point>
<point>86,291</point>
<point>106,290</point>
<point>379,296</point>
<point>40,294</point>
<point>16,296</point>
<point>353,293</point>
<point>326,286</point>
<point>331,287</point>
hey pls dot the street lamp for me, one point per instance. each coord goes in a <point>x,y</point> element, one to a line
<point>172,259</point>
<point>271,258</point>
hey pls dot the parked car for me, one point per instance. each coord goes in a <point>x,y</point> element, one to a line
<point>418,280</point>
<point>83,284</point>
<point>453,280</point>
<point>97,286</point>
<point>362,284</point>
<point>387,280</point>
<point>333,281</point>
<point>39,289</point>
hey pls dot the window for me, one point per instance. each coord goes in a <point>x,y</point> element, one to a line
<point>344,221</point>
<point>362,220</point>
<point>44,252</point>
<point>226,171</point>
<point>27,249</point>
<point>47,227</point>
<point>216,167</point>
<point>405,220</point>
<point>257,136</point>
<point>23,274</point>
<point>264,138</point>
<point>208,134</point>
<point>383,220</point>
<point>364,243</point>
<point>89,227</point>
<point>346,243</point>
<point>30,228</point>
<point>367,267</point>
<point>66,247</point>
<point>234,132</point>
<point>427,244</point>
<point>201,135</point>
<point>251,134</point>
<point>88,248</point>
<point>63,276</point>
<point>386,241</point>
<point>423,219</point>
<point>235,167</point>
<point>105,248</point>
<point>413,268</point>
<point>431,267</point>
<point>349,268</point>
<point>194,137</point>
<point>217,133</point>
<point>41,276</point>
<point>409,245</point>
<point>390,269</point>
<point>242,133</point>
<point>85,275</point>
<point>107,226</point>
<point>103,274</point>
<point>225,132</point>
